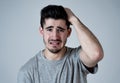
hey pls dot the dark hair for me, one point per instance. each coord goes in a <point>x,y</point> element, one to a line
<point>55,12</point>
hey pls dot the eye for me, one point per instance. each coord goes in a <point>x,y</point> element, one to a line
<point>61,30</point>
<point>49,29</point>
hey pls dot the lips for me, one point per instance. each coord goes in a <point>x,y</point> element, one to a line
<point>54,42</point>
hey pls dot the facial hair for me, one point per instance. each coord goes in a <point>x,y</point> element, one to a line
<point>55,49</point>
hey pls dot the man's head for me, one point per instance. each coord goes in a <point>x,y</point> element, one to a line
<point>54,12</point>
<point>54,27</point>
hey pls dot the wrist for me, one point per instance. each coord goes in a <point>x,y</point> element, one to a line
<point>74,20</point>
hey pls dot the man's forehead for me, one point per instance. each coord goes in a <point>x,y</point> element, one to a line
<point>55,20</point>
<point>55,23</point>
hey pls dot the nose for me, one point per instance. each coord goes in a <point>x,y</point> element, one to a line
<point>55,34</point>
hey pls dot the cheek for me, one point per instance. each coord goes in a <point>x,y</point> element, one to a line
<point>45,37</point>
<point>64,37</point>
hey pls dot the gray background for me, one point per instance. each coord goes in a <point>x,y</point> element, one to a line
<point>20,39</point>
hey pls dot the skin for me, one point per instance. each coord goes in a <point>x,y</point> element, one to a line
<point>55,34</point>
<point>91,52</point>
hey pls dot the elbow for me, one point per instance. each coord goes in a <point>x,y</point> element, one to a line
<point>98,55</point>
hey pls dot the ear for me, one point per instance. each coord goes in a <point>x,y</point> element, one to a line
<point>69,32</point>
<point>41,30</point>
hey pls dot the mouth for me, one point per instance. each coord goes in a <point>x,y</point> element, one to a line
<point>54,42</point>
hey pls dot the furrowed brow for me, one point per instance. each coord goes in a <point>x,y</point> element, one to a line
<point>48,27</point>
<point>61,28</point>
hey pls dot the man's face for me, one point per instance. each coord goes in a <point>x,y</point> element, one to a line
<point>55,34</point>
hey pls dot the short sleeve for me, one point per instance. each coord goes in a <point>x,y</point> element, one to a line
<point>23,77</point>
<point>85,69</point>
<point>88,70</point>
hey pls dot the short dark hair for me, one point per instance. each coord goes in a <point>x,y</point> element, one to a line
<point>55,12</point>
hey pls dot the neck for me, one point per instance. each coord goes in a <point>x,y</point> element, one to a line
<point>54,56</point>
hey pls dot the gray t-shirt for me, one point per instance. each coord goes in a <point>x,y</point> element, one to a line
<point>66,70</point>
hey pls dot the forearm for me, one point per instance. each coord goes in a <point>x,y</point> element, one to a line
<point>91,51</point>
<point>89,43</point>
<point>86,38</point>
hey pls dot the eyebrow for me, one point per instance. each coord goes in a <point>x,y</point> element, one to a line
<point>61,28</point>
<point>48,27</point>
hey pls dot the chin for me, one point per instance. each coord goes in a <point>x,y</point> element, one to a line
<point>54,50</point>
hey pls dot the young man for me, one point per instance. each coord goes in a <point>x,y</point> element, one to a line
<point>58,63</point>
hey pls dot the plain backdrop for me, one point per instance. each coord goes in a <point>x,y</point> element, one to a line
<point>20,39</point>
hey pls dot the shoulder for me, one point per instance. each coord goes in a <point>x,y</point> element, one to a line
<point>26,72</point>
<point>73,51</point>
<point>73,54</point>
<point>30,64</point>
<point>74,58</point>
<point>76,49</point>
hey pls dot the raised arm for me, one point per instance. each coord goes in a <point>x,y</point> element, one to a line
<point>91,52</point>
